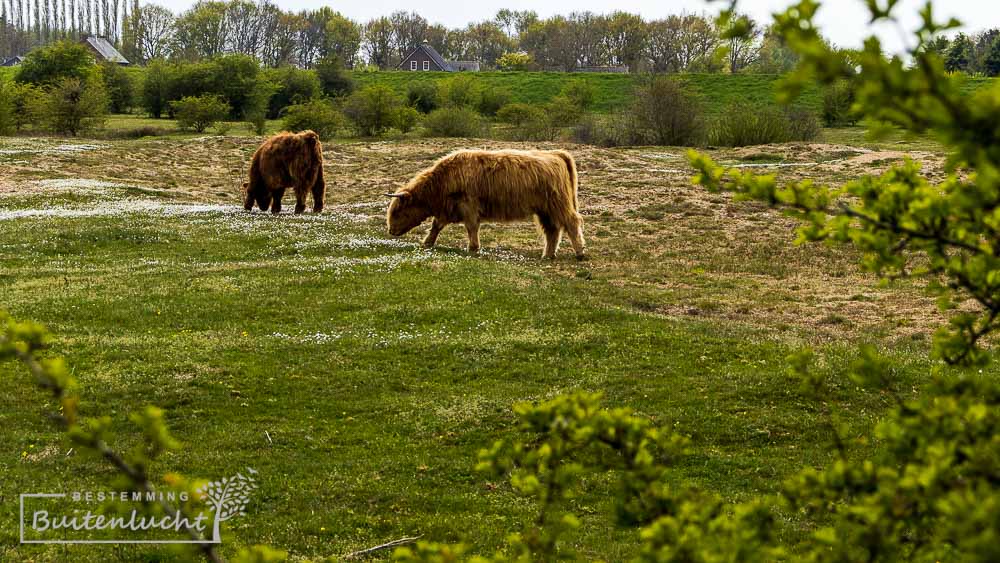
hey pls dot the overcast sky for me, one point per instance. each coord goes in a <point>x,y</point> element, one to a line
<point>843,21</point>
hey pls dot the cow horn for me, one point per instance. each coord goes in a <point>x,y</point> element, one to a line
<point>387,194</point>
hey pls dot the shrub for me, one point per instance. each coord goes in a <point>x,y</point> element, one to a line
<point>49,65</point>
<point>453,122</point>
<point>580,92</point>
<point>320,115</point>
<point>423,95</point>
<point>120,87</point>
<point>26,104</point>
<point>72,105</point>
<point>292,86</point>
<point>515,61</point>
<point>492,99</point>
<point>803,125</point>
<point>334,78</point>
<point>460,91</point>
<point>155,97</point>
<point>236,79</point>
<point>8,105</point>
<point>744,124</point>
<point>838,103</point>
<point>199,112</point>
<point>406,118</point>
<point>663,112</point>
<point>373,109</point>
<point>527,122</point>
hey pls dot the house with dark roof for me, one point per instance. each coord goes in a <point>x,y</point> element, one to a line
<point>13,61</point>
<point>426,58</point>
<point>103,50</point>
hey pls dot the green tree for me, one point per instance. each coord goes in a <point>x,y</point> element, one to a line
<point>334,79</point>
<point>120,86</point>
<point>200,112</point>
<point>957,57</point>
<point>155,95</point>
<point>514,62</point>
<point>373,109</point>
<point>8,123</point>
<point>293,86</point>
<point>46,66</point>
<point>72,105</point>
<point>992,63</point>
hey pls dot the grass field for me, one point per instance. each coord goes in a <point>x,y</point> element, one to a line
<point>360,374</point>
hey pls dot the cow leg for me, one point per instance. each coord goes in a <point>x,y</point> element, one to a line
<point>276,201</point>
<point>472,228</point>
<point>300,201</point>
<point>575,231</point>
<point>552,235</point>
<point>432,236</point>
<point>319,192</point>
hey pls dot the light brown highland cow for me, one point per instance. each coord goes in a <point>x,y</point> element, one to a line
<point>472,186</point>
<point>286,160</point>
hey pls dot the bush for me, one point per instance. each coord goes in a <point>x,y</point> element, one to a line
<point>292,86</point>
<point>334,78</point>
<point>120,87</point>
<point>373,109</point>
<point>236,79</point>
<point>8,105</point>
<point>838,102</point>
<point>155,97</point>
<point>26,103</point>
<point>460,91</point>
<point>72,105</point>
<point>492,99</point>
<point>744,124</point>
<point>580,92</point>
<point>453,122</point>
<point>803,125</point>
<point>528,122</point>
<point>515,61</point>
<point>406,119</point>
<point>49,65</point>
<point>199,112</point>
<point>318,114</point>
<point>663,112</point>
<point>423,95</point>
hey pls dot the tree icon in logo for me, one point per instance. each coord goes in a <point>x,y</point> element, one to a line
<point>228,498</point>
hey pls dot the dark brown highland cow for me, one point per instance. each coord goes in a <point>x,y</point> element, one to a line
<point>286,160</point>
<point>471,186</point>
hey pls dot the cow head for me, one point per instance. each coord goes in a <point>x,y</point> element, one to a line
<point>261,196</point>
<point>405,213</point>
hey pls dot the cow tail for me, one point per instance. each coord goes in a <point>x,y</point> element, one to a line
<point>571,167</point>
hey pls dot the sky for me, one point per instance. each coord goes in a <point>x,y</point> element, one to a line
<point>843,21</point>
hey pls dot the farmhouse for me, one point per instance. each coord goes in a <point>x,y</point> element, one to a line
<point>425,57</point>
<point>103,50</point>
<point>13,61</point>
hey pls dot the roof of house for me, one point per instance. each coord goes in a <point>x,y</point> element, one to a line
<point>105,49</point>
<point>13,61</point>
<point>431,52</point>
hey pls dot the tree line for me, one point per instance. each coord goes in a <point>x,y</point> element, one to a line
<point>511,40</point>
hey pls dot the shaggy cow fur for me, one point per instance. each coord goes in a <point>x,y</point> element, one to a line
<point>471,186</point>
<point>286,160</point>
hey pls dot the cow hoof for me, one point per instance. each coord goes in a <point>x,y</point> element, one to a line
<point>548,257</point>
<point>427,245</point>
<point>474,250</point>
<point>582,257</point>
